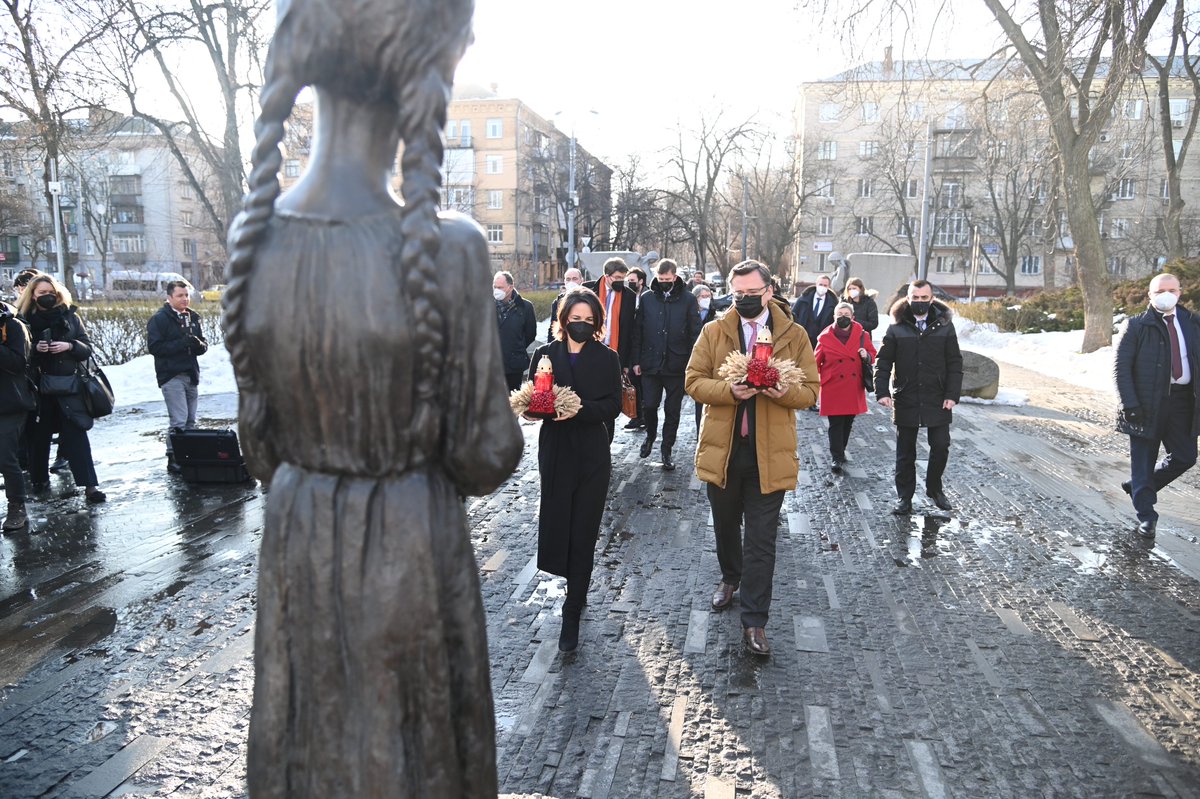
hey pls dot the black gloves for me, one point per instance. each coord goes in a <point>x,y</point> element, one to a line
<point>1133,415</point>
<point>196,346</point>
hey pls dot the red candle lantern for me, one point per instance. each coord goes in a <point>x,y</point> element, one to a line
<point>541,403</point>
<point>764,345</point>
<point>543,379</point>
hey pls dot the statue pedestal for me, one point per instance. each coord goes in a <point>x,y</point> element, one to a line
<point>981,376</point>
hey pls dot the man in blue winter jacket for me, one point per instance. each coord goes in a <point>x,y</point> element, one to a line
<point>1157,365</point>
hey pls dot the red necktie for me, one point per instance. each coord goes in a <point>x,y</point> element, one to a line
<point>745,409</point>
<point>1176,359</point>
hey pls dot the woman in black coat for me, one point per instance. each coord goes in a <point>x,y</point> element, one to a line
<point>866,312</point>
<point>708,312</point>
<point>16,401</point>
<point>61,344</point>
<point>573,453</point>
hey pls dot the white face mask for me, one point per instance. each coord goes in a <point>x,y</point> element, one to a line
<point>498,294</point>
<point>1164,301</point>
<point>571,286</point>
<point>821,290</point>
<point>704,303</point>
<point>854,294</point>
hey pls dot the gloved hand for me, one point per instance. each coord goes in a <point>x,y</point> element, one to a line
<point>196,346</point>
<point>1133,415</point>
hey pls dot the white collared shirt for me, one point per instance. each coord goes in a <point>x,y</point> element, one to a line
<point>1186,377</point>
<point>608,302</point>
<point>749,333</point>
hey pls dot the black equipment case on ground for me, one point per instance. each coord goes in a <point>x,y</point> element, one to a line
<point>209,456</point>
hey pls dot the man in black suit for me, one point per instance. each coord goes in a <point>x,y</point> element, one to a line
<point>620,308</point>
<point>1157,364</point>
<point>813,310</point>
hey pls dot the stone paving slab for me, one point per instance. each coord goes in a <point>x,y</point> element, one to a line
<point>1024,644</point>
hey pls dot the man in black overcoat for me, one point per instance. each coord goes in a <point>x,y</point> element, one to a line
<point>813,310</point>
<point>518,328</point>
<point>1156,366</point>
<point>918,375</point>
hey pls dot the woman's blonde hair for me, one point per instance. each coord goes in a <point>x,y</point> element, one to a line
<point>27,303</point>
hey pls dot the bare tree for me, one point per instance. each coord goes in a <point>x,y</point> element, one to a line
<point>774,198</point>
<point>45,76</point>
<point>636,215</point>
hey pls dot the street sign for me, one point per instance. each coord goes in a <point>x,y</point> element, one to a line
<point>822,246</point>
<point>991,249</point>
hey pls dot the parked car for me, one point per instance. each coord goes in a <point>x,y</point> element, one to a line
<point>715,280</point>
<point>213,293</point>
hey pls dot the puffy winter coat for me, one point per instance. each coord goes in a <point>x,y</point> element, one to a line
<point>841,368</point>
<point>16,390</point>
<point>518,329</point>
<point>175,344</point>
<point>919,370</point>
<point>775,420</point>
<point>866,312</point>
<point>1143,368</point>
<point>665,329</point>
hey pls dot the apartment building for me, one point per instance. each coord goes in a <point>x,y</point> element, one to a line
<point>995,218</point>
<point>507,167</point>
<point>124,200</point>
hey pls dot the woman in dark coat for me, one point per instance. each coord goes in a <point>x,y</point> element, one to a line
<point>866,312</point>
<point>16,402</point>
<point>62,343</point>
<point>843,352</point>
<point>573,453</point>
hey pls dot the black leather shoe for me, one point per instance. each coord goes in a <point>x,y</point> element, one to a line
<point>59,464</point>
<point>1127,487</point>
<point>755,639</point>
<point>903,507</point>
<point>633,424</point>
<point>1146,529</point>
<point>939,499</point>
<point>837,468</point>
<point>723,596</point>
<point>647,445</point>
<point>667,463</point>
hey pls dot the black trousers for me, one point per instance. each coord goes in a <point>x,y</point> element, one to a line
<point>514,380</point>
<point>11,427</point>
<point>749,563</point>
<point>839,435</point>
<point>653,387</point>
<point>1177,438</point>
<point>906,459</point>
<point>73,444</point>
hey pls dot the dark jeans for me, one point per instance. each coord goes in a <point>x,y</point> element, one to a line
<point>839,435</point>
<point>514,380</point>
<point>653,387</point>
<point>73,444</point>
<point>11,426</point>
<point>1177,437</point>
<point>906,459</point>
<point>750,564</point>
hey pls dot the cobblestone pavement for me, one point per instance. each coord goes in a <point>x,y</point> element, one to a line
<point>1025,644</point>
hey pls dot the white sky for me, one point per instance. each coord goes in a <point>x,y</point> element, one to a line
<point>643,65</point>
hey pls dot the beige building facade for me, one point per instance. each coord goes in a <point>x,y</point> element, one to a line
<point>996,220</point>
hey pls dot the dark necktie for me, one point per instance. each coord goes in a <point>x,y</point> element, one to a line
<point>1176,359</point>
<point>817,308</point>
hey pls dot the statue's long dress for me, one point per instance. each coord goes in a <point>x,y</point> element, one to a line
<point>371,653</point>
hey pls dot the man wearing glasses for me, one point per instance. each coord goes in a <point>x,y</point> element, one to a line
<point>747,450</point>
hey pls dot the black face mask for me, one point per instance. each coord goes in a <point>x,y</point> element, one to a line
<point>47,301</point>
<point>580,331</point>
<point>844,321</point>
<point>749,307</point>
<point>919,308</point>
<point>617,285</point>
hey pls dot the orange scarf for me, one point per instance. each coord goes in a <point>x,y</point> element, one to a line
<point>614,321</point>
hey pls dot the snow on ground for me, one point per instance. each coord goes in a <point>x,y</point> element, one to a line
<point>134,382</point>
<point>1004,396</point>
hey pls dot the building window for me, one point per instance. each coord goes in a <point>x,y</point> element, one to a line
<point>830,112</point>
<point>494,164</point>
<point>451,129</point>
<point>1128,150</point>
<point>1180,111</point>
<point>128,215</point>
<point>1031,264</point>
<point>870,112</point>
<point>464,133</point>
<point>185,191</point>
<point>956,116</point>
<point>1164,189</point>
<point>866,224</point>
<point>495,128</point>
<point>823,262</point>
<point>912,189</point>
<point>539,204</point>
<point>291,168</point>
<point>129,242</point>
<point>1133,109</point>
<point>89,247</point>
<point>951,194</point>
<point>1124,189</point>
<point>1117,265</point>
<point>868,149</point>
<point>824,189</point>
<point>495,234</point>
<point>826,226</point>
<point>943,264</point>
<point>495,199</point>
<point>906,226</point>
<point>952,230</point>
<point>827,151</point>
<point>866,187</point>
<point>1118,228</point>
<point>997,149</point>
<point>189,248</point>
<point>125,184</point>
<point>6,165</point>
<point>186,218</point>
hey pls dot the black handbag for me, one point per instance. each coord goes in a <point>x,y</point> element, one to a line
<point>58,385</point>
<point>98,397</point>
<point>868,374</point>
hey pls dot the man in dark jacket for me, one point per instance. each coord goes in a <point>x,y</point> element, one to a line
<point>1157,363</point>
<point>16,401</point>
<point>518,328</point>
<point>813,310</point>
<point>664,331</point>
<point>918,374</point>
<point>175,338</point>
<point>620,307</point>
<point>572,279</point>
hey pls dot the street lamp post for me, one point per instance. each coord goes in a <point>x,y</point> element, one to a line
<point>926,233</point>
<point>572,198</point>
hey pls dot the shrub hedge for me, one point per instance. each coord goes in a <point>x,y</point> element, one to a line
<point>118,329</point>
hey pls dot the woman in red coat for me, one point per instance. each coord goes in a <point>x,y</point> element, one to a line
<point>843,351</point>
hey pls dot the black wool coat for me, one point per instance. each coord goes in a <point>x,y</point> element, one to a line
<point>517,332</point>
<point>802,312</point>
<point>866,312</point>
<point>1143,368</point>
<point>920,370</point>
<point>575,451</point>
<point>175,345</point>
<point>665,329</point>
<point>16,390</point>
<point>64,324</point>
<point>629,304</point>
